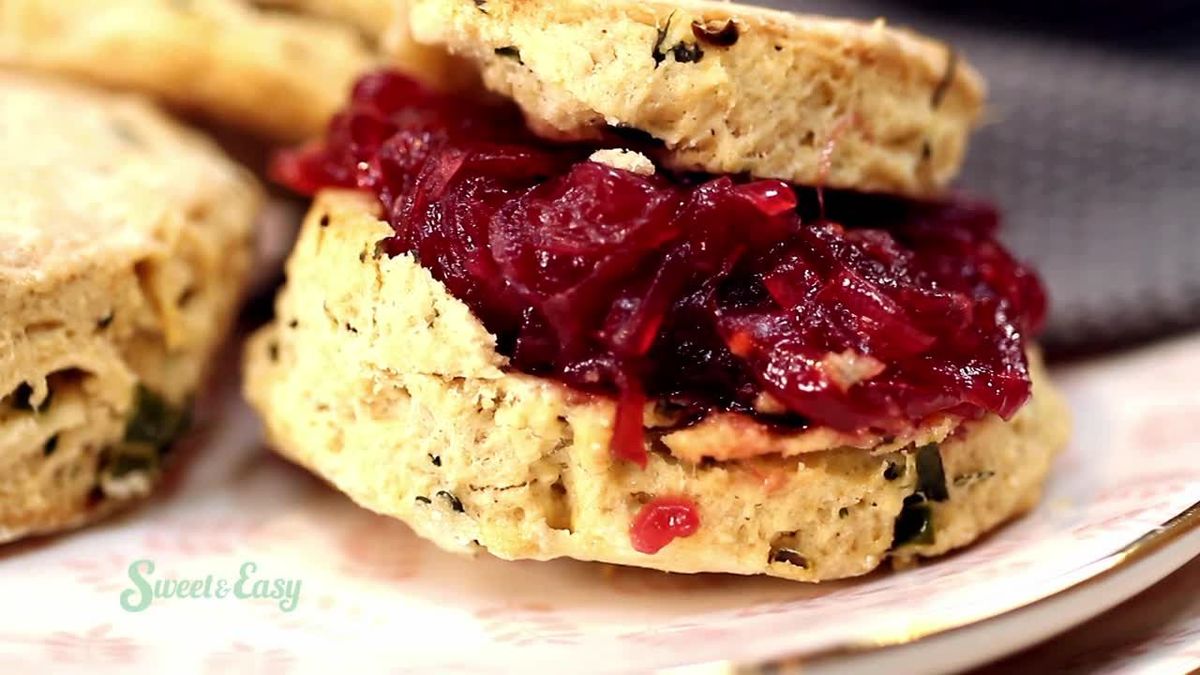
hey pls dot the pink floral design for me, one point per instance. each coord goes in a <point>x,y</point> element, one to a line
<point>526,624</point>
<point>243,659</point>
<point>104,573</point>
<point>381,549</point>
<point>95,646</point>
<point>1165,430</point>
<point>216,537</point>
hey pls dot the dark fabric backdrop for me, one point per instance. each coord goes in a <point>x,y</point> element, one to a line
<point>1092,150</point>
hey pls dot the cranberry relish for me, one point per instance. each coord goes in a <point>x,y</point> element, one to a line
<point>707,293</point>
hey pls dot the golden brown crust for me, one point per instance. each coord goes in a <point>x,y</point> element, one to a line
<point>807,99</point>
<point>123,247</point>
<point>281,75</point>
<point>378,380</point>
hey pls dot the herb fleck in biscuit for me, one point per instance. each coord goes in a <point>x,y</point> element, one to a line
<point>377,379</point>
<point>123,243</point>
<point>726,88</point>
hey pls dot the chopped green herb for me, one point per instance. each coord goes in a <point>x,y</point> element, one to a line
<point>154,421</point>
<point>914,525</point>
<point>931,475</point>
<point>130,458</point>
<point>656,52</point>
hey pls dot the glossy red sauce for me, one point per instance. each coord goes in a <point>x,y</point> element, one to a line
<point>692,291</point>
<point>663,520</point>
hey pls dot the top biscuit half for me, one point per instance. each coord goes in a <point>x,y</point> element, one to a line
<point>726,88</point>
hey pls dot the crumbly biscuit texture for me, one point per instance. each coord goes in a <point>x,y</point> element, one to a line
<point>279,74</point>
<point>726,88</point>
<point>379,381</point>
<point>123,243</point>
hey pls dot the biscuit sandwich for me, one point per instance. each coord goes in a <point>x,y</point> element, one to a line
<point>123,242</point>
<point>684,289</point>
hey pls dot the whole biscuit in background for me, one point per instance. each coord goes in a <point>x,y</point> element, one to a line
<point>279,68</point>
<point>384,24</point>
<point>124,242</point>
<point>371,17</point>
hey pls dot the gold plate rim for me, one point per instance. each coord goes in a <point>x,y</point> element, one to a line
<point>1139,549</point>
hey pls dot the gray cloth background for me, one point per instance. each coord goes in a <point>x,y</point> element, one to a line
<point>1093,150</point>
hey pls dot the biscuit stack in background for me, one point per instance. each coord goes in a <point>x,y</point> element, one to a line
<point>125,238</point>
<point>379,380</point>
<point>277,68</point>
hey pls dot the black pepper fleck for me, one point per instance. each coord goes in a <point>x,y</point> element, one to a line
<point>452,500</point>
<point>424,500</point>
<point>325,220</point>
<point>687,52</point>
<point>273,351</point>
<point>843,512</point>
<point>50,446</point>
<point>510,52</point>
<point>892,472</point>
<point>22,397</point>
<point>787,555</point>
<point>968,478</point>
<point>437,461</point>
<point>105,321</point>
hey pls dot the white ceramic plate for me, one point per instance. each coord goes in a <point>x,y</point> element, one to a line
<point>1120,512</point>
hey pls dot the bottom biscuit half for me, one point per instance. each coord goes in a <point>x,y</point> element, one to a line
<point>377,380</point>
